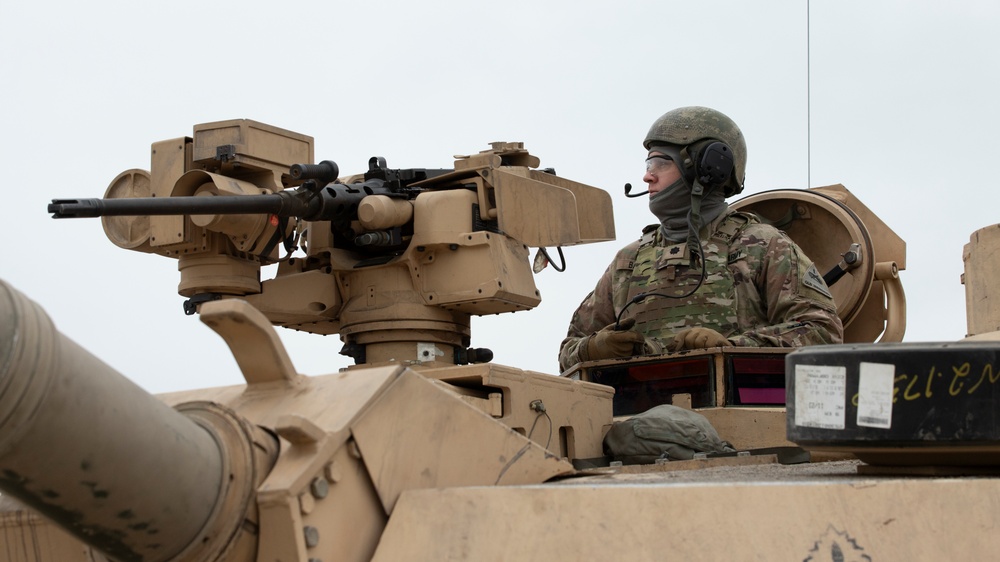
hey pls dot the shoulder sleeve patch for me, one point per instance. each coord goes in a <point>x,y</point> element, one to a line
<point>814,281</point>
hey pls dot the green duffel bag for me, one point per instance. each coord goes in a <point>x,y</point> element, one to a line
<point>665,431</point>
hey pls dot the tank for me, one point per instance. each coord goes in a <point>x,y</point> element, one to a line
<point>425,449</point>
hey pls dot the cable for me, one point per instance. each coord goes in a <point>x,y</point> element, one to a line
<point>539,406</point>
<point>292,242</point>
<point>562,258</point>
<point>643,296</point>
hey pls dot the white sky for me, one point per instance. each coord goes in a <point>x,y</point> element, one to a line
<point>903,112</point>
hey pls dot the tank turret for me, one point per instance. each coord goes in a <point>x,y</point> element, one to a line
<point>425,449</point>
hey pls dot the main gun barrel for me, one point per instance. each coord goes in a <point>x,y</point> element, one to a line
<point>107,461</point>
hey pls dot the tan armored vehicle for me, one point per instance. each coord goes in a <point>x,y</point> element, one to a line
<point>424,449</point>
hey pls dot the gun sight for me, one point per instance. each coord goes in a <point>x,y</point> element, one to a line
<point>326,171</point>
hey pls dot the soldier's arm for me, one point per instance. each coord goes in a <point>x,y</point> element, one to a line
<point>595,312</point>
<point>797,303</point>
<point>600,308</point>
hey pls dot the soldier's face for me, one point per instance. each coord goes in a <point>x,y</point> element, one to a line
<point>661,171</point>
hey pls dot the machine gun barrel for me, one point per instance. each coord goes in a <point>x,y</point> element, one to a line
<point>334,201</point>
<point>284,204</point>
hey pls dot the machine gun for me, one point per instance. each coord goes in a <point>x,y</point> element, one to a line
<point>319,198</point>
<point>396,261</point>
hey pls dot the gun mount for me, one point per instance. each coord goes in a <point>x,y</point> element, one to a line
<point>396,261</point>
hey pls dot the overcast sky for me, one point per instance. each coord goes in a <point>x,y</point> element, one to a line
<point>894,99</point>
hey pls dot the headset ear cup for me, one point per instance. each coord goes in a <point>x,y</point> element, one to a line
<point>715,164</point>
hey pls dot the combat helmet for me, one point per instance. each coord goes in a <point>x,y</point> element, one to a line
<point>684,127</point>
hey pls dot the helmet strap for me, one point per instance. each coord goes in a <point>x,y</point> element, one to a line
<point>702,197</point>
<point>694,222</point>
<point>687,165</point>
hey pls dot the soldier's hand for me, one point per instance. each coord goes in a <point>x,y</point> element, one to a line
<point>610,343</point>
<point>698,338</point>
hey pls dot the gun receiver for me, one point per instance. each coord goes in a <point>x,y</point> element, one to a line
<point>395,260</point>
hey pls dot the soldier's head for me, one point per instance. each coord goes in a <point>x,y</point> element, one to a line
<point>701,144</point>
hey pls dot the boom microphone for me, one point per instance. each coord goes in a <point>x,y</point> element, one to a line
<point>628,188</point>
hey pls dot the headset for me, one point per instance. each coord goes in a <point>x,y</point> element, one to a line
<point>713,165</point>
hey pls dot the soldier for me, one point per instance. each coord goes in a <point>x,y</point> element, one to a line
<point>753,288</point>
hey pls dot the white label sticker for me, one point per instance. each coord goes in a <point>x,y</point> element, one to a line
<point>820,396</point>
<point>875,382</point>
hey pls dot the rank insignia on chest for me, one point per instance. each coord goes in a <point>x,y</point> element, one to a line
<point>676,255</point>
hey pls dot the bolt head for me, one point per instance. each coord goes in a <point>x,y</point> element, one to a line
<point>319,488</point>
<point>312,536</point>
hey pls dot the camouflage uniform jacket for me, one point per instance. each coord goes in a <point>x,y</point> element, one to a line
<point>760,290</point>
